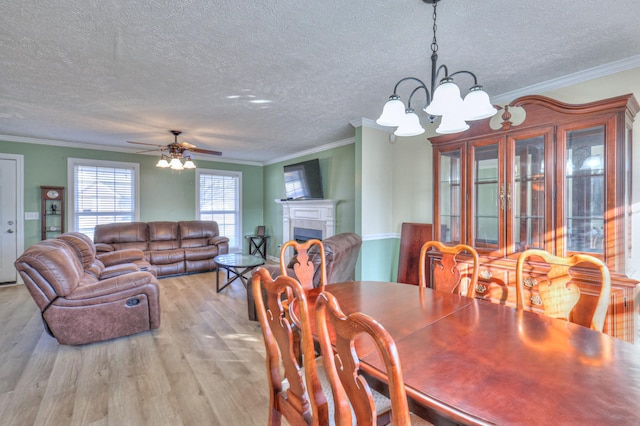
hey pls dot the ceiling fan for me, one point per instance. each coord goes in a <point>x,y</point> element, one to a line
<point>177,151</point>
<point>179,147</point>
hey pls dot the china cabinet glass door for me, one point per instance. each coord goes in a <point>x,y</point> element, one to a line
<point>450,195</point>
<point>489,197</point>
<point>585,197</point>
<point>529,189</point>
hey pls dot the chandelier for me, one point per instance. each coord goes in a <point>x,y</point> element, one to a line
<point>443,100</point>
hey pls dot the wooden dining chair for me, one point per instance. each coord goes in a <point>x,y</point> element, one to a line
<point>298,396</point>
<point>352,396</point>
<point>447,273</point>
<point>558,296</point>
<point>304,268</point>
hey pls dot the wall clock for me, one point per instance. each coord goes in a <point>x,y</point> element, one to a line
<point>53,194</point>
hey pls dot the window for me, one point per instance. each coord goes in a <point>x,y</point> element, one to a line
<point>102,192</point>
<point>218,195</point>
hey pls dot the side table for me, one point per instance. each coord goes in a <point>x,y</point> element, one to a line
<point>258,245</point>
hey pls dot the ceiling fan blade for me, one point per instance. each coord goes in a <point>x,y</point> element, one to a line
<point>205,151</point>
<point>142,143</point>
<point>187,145</point>
<point>151,150</point>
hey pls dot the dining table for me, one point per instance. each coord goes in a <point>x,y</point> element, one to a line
<point>470,361</point>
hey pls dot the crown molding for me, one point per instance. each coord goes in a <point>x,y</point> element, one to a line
<point>315,150</point>
<point>111,148</point>
<point>570,79</point>
<point>367,122</point>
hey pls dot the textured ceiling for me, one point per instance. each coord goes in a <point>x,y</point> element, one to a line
<point>107,71</point>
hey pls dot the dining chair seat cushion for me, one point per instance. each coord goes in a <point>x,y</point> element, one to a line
<point>383,404</point>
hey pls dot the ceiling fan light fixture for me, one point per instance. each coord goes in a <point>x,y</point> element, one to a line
<point>163,163</point>
<point>177,151</point>
<point>176,164</point>
<point>188,164</point>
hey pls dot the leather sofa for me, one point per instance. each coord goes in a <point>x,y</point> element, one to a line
<point>171,247</point>
<point>341,253</point>
<point>80,305</point>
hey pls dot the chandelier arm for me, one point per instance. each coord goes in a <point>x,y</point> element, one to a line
<point>422,86</point>
<point>475,79</point>
<point>395,88</point>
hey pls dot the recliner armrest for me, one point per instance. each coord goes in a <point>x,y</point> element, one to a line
<point>103,247</point>
<point>214,241</point>
<point>112,285</point>
<point>120,256</point>
<point>117,270</point>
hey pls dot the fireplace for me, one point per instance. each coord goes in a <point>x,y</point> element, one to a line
<point>306,219</point>
<point>304,234</point>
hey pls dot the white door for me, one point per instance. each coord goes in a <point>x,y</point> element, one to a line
<point>8,220</point>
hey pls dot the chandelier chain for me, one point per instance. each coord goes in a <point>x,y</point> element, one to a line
<point>434,43</point>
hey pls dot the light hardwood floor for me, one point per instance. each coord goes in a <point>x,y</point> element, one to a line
<point>203,366</point>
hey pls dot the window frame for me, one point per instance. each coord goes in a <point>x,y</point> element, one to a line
<point>231,173</point>
<point>71,165</point>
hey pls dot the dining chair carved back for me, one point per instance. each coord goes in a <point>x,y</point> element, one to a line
<point>449,274</point>
<point>303,267</point>
<point>298,396</point>
<point>353,399</point>
<point>550,286</point>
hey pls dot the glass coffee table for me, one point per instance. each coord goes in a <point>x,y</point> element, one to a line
<point>237,266</point>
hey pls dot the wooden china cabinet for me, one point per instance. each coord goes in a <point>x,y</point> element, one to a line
<point>559,181</point>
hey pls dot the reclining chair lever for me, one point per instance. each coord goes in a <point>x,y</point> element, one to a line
<point>133,301</point>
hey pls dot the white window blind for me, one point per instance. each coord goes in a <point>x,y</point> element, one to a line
<point>219,195</point>
<point>103,192</point>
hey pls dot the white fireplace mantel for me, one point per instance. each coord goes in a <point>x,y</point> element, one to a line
<point>312,214</point>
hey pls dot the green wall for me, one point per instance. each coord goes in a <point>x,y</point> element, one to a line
<point>337,166</point>
<point>164,195</point>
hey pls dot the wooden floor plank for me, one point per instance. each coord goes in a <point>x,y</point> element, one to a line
<point>204,365</point>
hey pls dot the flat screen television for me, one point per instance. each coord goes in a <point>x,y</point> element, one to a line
<point>303,181</point>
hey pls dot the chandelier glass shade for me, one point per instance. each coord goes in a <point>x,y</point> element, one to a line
<point>444,100</point>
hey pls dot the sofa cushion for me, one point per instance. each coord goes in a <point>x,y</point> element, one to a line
<point>122,235</point>
<point>163,236</point>
<point>196,233</point>
<point>200,253</point>
<point>166,257</point>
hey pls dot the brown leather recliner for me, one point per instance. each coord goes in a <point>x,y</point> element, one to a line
<point>110,264</point>
<point>341,253</point>
<point>78,307</point>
